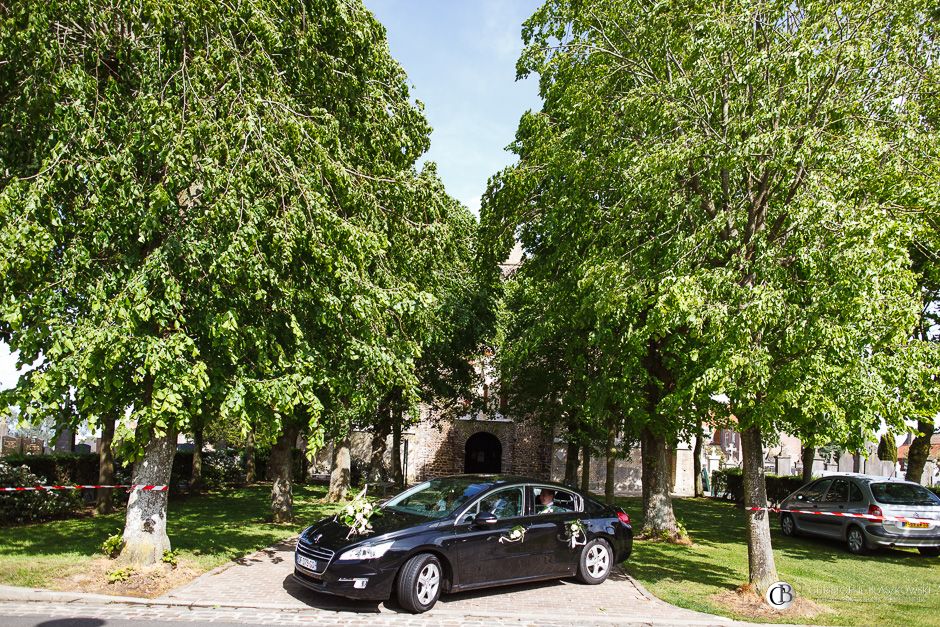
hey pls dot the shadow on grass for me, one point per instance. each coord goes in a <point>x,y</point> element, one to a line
<point>718,557</point>
<point>221,525</point>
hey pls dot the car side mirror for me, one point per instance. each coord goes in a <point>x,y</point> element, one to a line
<point>484,519</point>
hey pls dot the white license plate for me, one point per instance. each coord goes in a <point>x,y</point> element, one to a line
<point>306,562</point>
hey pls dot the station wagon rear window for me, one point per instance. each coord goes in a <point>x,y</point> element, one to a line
<point>903,494</point>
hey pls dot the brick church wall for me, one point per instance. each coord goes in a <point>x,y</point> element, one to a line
<point>437,446</point>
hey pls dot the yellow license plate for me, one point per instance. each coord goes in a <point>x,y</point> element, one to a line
<point>915,525</point>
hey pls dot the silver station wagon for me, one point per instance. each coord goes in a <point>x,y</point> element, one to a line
<point>823,500</point>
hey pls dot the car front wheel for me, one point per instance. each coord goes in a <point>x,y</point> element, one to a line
<point>855,539</point>
<point>788,525</point>
<point>419,583</point>
<point>597,558</point>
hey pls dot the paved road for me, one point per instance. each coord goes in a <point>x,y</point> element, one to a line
<point>259,590</point>
<point>265,579</point>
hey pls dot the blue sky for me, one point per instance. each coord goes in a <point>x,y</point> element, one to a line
<point>460,56</point>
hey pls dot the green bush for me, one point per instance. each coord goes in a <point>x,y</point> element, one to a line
<point>728,484</point>
<point>780,487</point>
<point>225,467</point>
<point>113,545</point>
<point>219,468</point>
<point>60,468</point>
<point>20,507</point>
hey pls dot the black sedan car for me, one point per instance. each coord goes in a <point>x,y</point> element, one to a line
<point>464,532</point>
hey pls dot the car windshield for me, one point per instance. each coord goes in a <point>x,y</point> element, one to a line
<point>437,498</point>
<point>903,494</point>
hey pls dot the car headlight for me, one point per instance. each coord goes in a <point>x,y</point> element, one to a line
<point>367,551</point>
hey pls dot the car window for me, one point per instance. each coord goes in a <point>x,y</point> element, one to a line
<point>505,503</point>
<point>815,491</point>
<point>903,494</point>
<point>838,492</point>
<point>436,498</point>
<point>552,500</point>
<point>855,493</point>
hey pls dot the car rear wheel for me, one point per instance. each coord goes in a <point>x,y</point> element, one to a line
<point>419,583</point>
<point>597,558</point>
<point>788,525</point>
<point>855,539</point>
<point>929,551</point>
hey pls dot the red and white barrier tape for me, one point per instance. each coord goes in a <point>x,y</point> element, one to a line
<point>44,488</point>
<point>845,514</point>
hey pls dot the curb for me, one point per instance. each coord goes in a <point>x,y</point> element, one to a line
<point>40,596</point>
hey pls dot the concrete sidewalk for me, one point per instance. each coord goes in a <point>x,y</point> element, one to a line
<point>259,589</point>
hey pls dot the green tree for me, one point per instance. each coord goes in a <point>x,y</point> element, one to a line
<point>746,169</point>
<point>197,195</point>
<point>888,448</point>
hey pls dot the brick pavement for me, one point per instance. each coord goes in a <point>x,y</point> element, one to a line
<point>258,589</point>
<point>263,580</point>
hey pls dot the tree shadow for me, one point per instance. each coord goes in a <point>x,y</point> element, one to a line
<point>226,524</point>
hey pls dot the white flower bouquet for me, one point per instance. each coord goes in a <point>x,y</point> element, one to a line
<point>516,534</point>
<point>357,513</point>
<point>575,533</point>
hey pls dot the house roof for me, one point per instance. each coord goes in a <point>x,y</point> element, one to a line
<point>934,448</point>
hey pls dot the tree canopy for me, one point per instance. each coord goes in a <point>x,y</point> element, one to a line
<point>215,206</point>
<point>728,188</point>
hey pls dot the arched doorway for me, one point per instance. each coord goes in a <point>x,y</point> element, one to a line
<point>483,454</point>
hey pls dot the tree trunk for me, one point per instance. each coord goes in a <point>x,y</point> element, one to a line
<point>809,456</point>
<point>250,471</point>
<point>857,462</point>
<point>340,471</point>
<point>145,537</point>
<point>571,464</point>
<point>397,475</point>
<point>279,468</point>
<point>105,466</point>
<point>611,469</point>
<point>919,451</point>
<point>195,483</point>
<point>377,468</point>
<point>760,556</point>
<point>697,462</point>
<point>658,517</point>
<point>586,468</point>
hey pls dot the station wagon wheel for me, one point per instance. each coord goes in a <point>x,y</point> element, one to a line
<point>856,540</point>
<point>419,583</point>
<point>787,525</point>
<point>596,561</point>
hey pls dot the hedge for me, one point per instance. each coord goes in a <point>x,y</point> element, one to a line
<point>30,506</point>
<point>729,484</point>
<point>219,468</point>
<point>60,468</point>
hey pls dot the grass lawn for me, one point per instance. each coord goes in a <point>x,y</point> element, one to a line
<point>207,531</point>
<point>889,587</point>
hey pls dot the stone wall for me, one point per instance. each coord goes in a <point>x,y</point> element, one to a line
<point>436,446</point>
<point>628,472</point>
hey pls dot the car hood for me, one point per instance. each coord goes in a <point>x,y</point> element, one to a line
<point>332,534</point>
